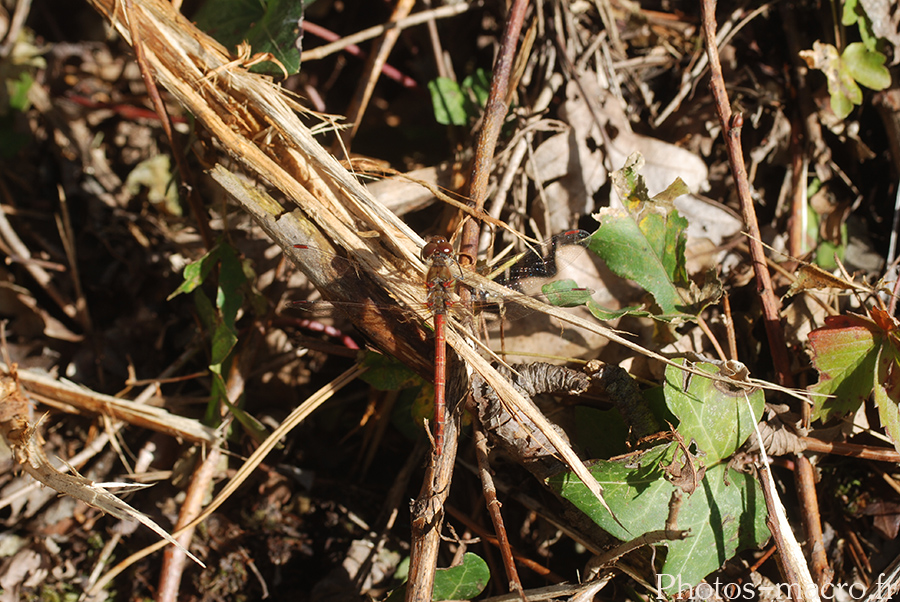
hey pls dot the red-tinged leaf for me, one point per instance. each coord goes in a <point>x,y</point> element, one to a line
<point>887,390</point>
<point>844,352</point>
<point>883,319</point>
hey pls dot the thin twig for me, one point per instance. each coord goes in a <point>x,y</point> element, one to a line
<point>184,171</point>
<point>377,59</point>
<point>425,16</point>
<point>495,110</point>
<point>493,506</point>
<point>731,130</point>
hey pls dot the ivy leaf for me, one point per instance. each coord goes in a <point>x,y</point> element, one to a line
<point>267,25</point>
<point>710,412</point>
<point>637,490</point>
<point>462,582</point>
<point>645,241</point>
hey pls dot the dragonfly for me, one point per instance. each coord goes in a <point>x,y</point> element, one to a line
<point>444,274</point>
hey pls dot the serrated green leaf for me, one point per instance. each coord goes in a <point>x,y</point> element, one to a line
<point>448,101</point>
<point>267,25</point>
<point>844,352</point>
<point>711,413</point>
<point>866,66</point>
<point>723,519</point>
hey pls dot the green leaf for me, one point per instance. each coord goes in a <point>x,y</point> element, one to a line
<point>448,101</point>
<point>479,83</point>
<point>223,341</point>
<point>219,392</point>
<point>887,390</point>
<point>849,15</point>
<point>645,242</point>
<point>844,352</point>
<point>854,356</point>
<point>195,273</point>
<point>711,413</point>
<point>18,89</point>
<point>566,293</point>
<point>462,582</point>
<point>232,280</point>
<point>387,373</point>
<point>723,518</point>
<point>858,63</point>
<point>866,66</point>
<point>267,25</point>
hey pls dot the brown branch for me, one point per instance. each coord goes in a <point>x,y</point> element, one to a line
<point>494,113</point>
<point>493,506</point>
<point>731,130</point>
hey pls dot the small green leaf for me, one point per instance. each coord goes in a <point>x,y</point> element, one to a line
<point>462,582</point>
<point>712,413</point>
<point>566,293</point>
<point>230,296</point>
<point>448,101</point>
<point>844,352</point>
<point>849,15</point>
<point>480,85</point>
<point>195,273</point>
<point>18,91</point>
<point>866,66</point>
<point>223,341</point>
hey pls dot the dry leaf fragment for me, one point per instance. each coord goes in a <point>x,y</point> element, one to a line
<point>26,443</point>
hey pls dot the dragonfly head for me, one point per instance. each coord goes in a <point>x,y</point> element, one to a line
<point>437,246</point>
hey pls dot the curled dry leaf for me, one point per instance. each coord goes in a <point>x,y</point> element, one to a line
<point>26,443</point>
